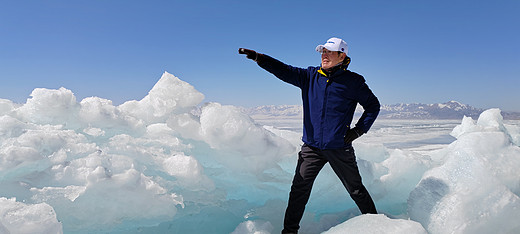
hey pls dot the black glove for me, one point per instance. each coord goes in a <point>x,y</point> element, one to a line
<point>352,134</point>
<point>250,54</point>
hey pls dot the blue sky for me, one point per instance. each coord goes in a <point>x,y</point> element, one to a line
<point>408,51</point>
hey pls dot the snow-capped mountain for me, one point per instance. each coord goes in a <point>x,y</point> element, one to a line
<point>448,110</point>
<point>275,111</point>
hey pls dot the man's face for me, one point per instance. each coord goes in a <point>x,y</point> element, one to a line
<point>331,58</point>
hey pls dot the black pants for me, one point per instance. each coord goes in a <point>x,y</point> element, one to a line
<point>310,161</point>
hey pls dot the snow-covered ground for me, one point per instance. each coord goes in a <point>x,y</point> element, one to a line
<point>169,164</point>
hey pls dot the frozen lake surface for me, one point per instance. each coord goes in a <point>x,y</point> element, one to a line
<point>391,133</point>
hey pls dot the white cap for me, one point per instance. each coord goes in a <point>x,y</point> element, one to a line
<point>334,44</point>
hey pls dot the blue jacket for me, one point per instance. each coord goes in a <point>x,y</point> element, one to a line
<point>329,102</point>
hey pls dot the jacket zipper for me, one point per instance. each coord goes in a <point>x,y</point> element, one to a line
<point>324,111</point>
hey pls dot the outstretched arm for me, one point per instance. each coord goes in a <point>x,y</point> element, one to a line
<point>292,75</point>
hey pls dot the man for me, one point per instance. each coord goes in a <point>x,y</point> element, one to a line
<point>330,94</point>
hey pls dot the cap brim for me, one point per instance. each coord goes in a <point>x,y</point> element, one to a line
<point>320,48</point>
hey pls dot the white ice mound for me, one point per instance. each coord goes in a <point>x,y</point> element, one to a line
<point>477,187</point>
<point>6,106</point>
<point>169,95</point>
<point>106,168</point>
<point>376,224</point>
<point>17,217</point>
<point>246,145</point>
<point>99,113</point>
<point>226,128</point>
<point>50,106</point>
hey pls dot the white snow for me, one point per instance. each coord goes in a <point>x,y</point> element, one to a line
<point>171,164</point>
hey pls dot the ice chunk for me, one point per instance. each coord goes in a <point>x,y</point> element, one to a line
<point>187,125</point>
<point>377,223</point>
<point>254,227</point>
<point>6,106</point>
<point>94,131</point>
<point>371,152</point>
<point>37,149</point>
<point>12,127</point>
<point>189,172</point>
<point>18,217</point>
<point>514,133</point>
<point>50,106</point>
<point>97,112</point>
<point>70,192</point>
<point>467,125</point>
<point>489,121</point>
<point>251,147</point>
<point>109,198</point>
<point>295,138</point>
<point>404,169</point>
<point>170,95</point>
<point>475,190</point>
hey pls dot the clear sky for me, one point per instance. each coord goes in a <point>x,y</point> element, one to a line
<point>408,51</point>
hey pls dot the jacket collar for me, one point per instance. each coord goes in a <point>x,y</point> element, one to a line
<point>332,70</point>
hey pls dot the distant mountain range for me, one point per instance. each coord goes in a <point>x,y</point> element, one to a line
<point>448,110</point>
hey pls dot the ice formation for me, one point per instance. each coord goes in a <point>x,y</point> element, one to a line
<point>376,224</point>
<point>18,217</point>
<point>476,188</point>
<point>171,164</point>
